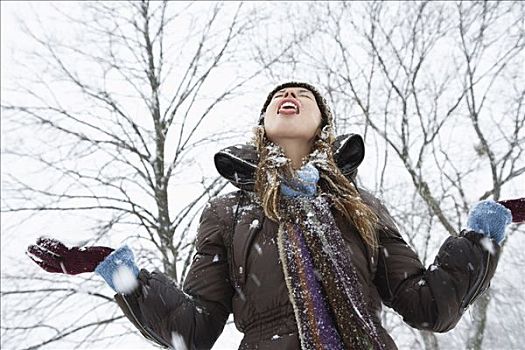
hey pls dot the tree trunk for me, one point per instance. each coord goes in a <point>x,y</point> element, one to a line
<point>479,320</point>
<point>430,340</point>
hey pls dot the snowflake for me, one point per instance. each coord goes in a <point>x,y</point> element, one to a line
<point>177,341</point>
<point>124,280</point>
<point>486,243</point>
<point>258,248</point>
<point>254,224</point>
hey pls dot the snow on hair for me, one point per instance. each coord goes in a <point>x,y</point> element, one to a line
<point>332,182</point>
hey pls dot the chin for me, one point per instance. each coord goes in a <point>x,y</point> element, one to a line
<point>298,131</point>
<point>288,136</point>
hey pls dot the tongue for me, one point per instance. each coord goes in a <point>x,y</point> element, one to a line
<point>287,110</point>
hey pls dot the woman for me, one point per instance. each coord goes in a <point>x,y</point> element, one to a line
<point>299,254</point>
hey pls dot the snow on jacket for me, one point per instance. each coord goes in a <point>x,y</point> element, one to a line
<point>236,270</point>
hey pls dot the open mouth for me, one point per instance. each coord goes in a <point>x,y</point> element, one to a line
<point>288,107</point>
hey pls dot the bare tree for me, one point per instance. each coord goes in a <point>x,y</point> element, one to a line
<point>118,108</point>
<point>439,89</point>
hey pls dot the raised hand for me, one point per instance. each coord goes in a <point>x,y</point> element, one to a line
<point>53,256</point>
<point>517,208</point>
<point>489,218</point>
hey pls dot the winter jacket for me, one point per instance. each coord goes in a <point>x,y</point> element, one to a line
<point>236,270</point>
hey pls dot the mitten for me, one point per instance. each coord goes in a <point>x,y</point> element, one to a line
<point>490,219</point>
<point>53,256</point>
<point>517,207</point>
<point>119,270</point>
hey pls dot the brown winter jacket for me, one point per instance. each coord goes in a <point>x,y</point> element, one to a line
<point>236,269</point>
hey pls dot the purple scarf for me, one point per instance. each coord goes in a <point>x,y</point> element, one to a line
<point>322,283</point>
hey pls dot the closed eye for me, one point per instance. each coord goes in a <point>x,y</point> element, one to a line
<point>302,95</point>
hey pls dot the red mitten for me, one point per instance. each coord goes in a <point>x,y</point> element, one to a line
<point>517,208</point>
<point>53,256</point>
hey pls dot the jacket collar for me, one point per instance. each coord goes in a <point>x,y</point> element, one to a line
<point>238,163</point>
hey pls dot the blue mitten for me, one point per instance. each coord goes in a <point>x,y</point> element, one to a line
<point>119,270</point>
<point>490,219</point>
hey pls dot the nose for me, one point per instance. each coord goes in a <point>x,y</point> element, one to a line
<point>290,93</point>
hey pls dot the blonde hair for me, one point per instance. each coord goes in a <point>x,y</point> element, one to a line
<point>331,181</point>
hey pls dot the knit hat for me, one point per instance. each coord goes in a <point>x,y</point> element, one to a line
<point>326,113</point>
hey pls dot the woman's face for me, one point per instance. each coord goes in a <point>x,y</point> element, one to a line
<point>292,114</point>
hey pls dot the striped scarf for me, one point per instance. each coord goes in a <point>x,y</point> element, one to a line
<point>329,307</point>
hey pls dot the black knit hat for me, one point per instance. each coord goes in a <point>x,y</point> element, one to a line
<point>326,113</point>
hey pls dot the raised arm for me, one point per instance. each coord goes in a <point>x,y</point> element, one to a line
<point>435,298</point>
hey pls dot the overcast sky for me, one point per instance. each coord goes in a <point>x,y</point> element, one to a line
<point>15,237</point>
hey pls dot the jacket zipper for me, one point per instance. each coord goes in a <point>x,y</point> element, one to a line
<point>246,249</point>
<point>153,336</point>
<point>231,261</point>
